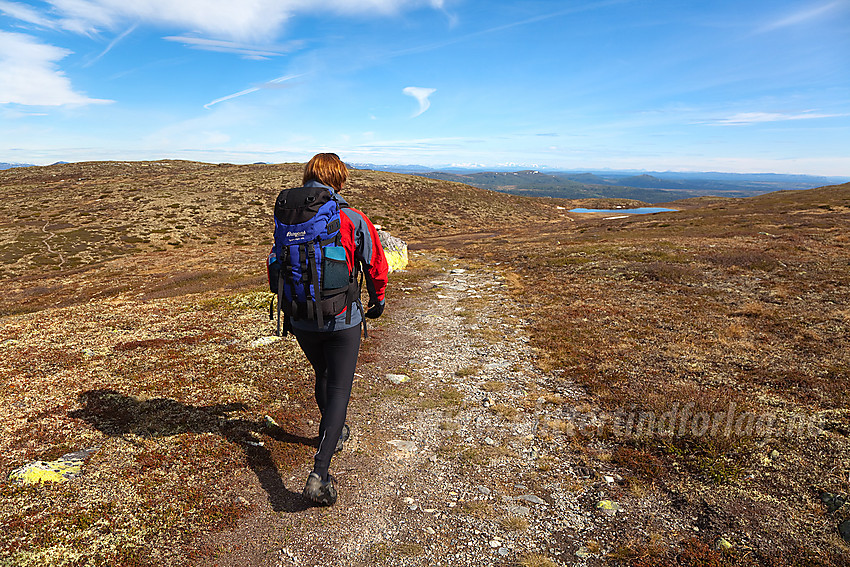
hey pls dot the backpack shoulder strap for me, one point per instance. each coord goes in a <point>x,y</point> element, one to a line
<point>341,203</point>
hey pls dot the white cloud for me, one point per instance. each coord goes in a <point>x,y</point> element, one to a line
<point>29,76</point>
<point>421,94</point>
<point>26,14</point>
<point>236,20</point>
<point>747,118</point>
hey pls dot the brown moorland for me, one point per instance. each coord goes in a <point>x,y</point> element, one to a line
<point>710,347</point>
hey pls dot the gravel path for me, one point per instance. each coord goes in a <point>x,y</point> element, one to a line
<point>456,456</point>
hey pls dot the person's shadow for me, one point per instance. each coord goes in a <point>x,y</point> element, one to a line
<point>118,415</point>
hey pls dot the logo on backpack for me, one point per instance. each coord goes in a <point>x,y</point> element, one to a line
<point>308,267</point>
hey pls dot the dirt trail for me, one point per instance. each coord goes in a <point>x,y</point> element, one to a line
<point>443,468</point>
<point>50,250</point>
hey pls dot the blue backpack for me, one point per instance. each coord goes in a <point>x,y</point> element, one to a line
<point>307,266</point>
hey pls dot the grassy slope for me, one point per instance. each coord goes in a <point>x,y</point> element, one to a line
<point>728,300</point>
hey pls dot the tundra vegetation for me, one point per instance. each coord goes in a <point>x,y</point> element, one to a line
<point>709,348</point>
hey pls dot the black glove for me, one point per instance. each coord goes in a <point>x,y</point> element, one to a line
<point>375,309</point>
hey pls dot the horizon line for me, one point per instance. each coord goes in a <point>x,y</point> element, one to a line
<point>480,168</point>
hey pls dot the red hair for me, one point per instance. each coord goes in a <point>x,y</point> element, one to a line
<point>327,169</point>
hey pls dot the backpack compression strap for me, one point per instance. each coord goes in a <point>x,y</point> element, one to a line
<point>314,271</point>
<point>279,302</point>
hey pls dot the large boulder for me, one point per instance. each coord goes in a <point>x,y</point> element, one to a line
<point>395,249</point>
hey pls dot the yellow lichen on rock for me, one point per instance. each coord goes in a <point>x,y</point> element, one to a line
<point>64,468</point>
<point>39,472</point>
<point>395,250</point>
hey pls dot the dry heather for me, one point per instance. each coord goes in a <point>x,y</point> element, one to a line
<point>132,304</point>
<point>735,310</point>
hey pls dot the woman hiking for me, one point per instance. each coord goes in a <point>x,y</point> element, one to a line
<point>328,331</point>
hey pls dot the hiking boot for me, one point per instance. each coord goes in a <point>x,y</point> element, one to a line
<point>343,437</point>
<point>320,491</point>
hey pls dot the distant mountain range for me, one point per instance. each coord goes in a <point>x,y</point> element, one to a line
<point>4,165</point>
<point>650,188</point>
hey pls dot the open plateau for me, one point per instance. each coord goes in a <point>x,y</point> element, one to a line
<point>545,387</point>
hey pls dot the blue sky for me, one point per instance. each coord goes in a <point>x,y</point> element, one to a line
<point>727,85</point>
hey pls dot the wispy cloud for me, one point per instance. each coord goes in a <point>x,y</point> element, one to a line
<point>802,16</point>
<point>247,51</point>
<point>112,44</point>
<point>503,27</point>
<point>232,20</point>
<point>255,20</point>
<point>24,13</point>
<point>274,83</point>
<point>748,118</point>
<point>421,95</point>
<point>29,75</point>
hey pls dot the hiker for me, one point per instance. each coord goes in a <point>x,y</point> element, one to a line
<point>328,329</point>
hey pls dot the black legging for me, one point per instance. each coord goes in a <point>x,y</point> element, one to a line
<point>334,358</point>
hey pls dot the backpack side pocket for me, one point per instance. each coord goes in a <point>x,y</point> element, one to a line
<point>334,268</point>
<point>273,267</point>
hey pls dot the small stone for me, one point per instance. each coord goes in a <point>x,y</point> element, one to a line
<point>242,501</point>
<point>430,531</point>
<point>495,543</point>
<point>397,378</point>
<point>722,544</point>
<point>774,455</point>
<point>531,498</point>
<point>408,500</point>
<point>433,458</point>
<point>264,341</point>
<point>401,445</point>
<point>484,490</point>
<point>583,553</point>
<point>503,551</point>
<point>608,506</point>
<point>608,479</point>
<point>413,507</point>
<point>519,510</point>
<point>489,441</point>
